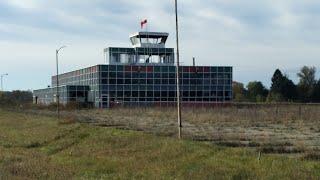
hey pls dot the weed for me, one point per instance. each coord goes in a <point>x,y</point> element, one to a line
<point>312,155</point>
<point>39,147</point>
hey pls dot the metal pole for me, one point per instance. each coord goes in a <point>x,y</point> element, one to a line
<point>178,72</point>
<point>1,82</point>
<point>2,75</point>
<point>57,93</point>
<point>57,77</point>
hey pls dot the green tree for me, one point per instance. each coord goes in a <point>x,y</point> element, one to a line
<point>289,90</point>
<point>307,82</point>
<point>282,88</point>
<point>274,97</point>
<point>277,82</point>
<point>15,98</point>
<point>316,92</point>
<point>239,92</point>
<point>256,91</point>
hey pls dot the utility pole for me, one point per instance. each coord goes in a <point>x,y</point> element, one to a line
<point>178,72</point>
<point>57,78</point>
<point>2,75</point>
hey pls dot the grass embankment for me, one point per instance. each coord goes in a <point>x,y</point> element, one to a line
<point>40,147</point>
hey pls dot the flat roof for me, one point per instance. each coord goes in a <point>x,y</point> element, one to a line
<point>62,86</point>
<point>150,35</point>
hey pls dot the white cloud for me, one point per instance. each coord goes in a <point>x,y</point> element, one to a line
<point>253,36</point>
<point>24,4</point>
<point>72,19</point>
<point>288,20</point>
<point>218,17</point>
<point>286,17</point>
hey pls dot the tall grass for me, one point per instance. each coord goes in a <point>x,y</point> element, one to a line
<point>276,128</point>
<point>272,128</point>
<point>39,147</point>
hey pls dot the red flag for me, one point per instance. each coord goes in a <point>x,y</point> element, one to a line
<point>143,23</point>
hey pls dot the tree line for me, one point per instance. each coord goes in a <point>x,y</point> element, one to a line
<point>282,89</point>
<point>15,98</point>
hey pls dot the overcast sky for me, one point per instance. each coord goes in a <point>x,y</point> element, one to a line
<point>255,37</point>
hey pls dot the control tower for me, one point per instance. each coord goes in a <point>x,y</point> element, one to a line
<point>141,75</point>
<point>148,48</point>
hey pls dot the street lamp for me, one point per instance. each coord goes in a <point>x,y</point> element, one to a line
<point>57,93</point>
<point>2,75</point>
<point>178,72</point>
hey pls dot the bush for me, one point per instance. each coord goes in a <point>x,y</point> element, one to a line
<point>15,98</point>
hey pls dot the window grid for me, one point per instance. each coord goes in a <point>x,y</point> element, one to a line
<point>151,84</point>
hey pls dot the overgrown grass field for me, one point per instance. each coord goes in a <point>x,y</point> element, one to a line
<point>40,147</point>
<point>273,128</point>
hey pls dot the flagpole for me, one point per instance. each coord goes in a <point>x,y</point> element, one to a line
<point>178,73</point>
<point>147,29</point>
<point>148,49</point>
<point>148,52</point>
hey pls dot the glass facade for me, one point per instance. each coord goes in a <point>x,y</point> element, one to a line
<point>142,75</point>
<point>152,84</point>
<point>139,55</point>
<point>66,94</point>
<point>109,85</point>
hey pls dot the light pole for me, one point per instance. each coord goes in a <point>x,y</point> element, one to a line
<point>178,72</point>
<point>2,75</point>
<point>57,88</point>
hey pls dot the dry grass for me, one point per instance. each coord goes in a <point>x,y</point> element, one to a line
<point>39,147</point>
<point>271,128</point>
<point>284,128</point>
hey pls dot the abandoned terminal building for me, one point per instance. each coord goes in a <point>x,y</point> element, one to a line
<point>142,75</point>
